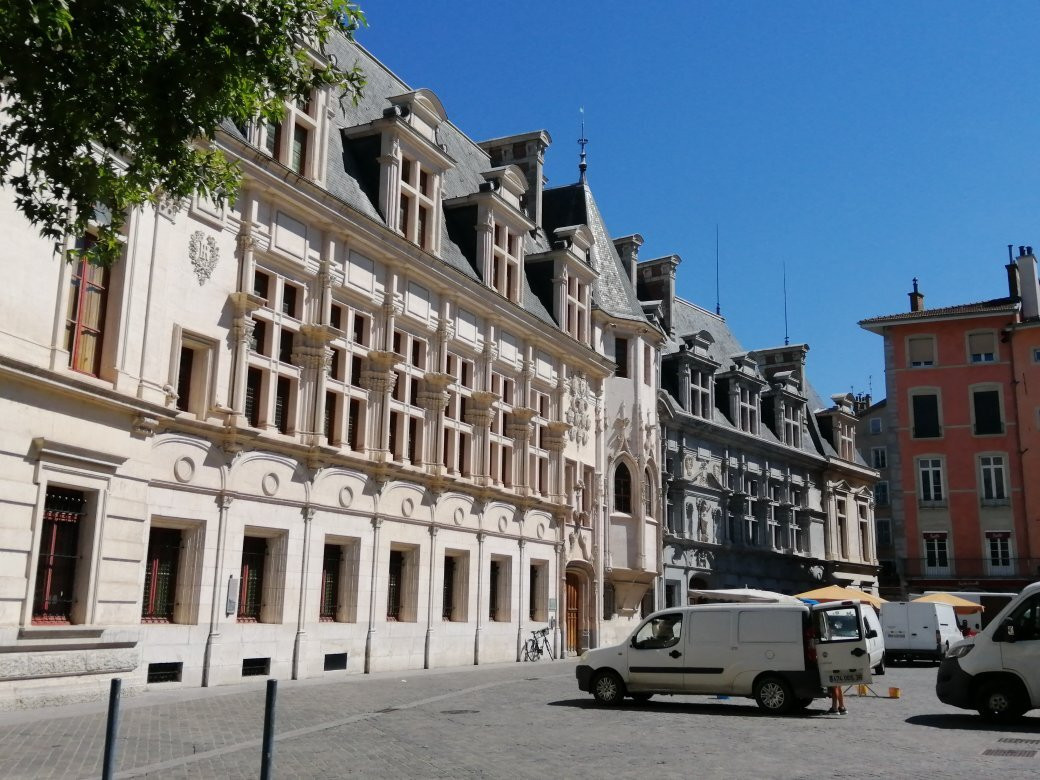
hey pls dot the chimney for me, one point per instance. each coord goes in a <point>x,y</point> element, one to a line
<point>656,282</point>
<point>916,298</point>
<point>628,250</point>
<point>1030,285</point>
<point>527,152</point>
<point>1014,286</point>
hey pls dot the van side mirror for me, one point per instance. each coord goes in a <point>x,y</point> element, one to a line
<point>1007,632</point>
<point>871,633</point>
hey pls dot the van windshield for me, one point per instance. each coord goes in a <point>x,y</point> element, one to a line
<point>835,625</point>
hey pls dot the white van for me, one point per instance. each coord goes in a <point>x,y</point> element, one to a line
<point>991,604</point>
<point>918,630</point>
<point>875,636</point>
<point>781,654</point>
<point>997,672</point>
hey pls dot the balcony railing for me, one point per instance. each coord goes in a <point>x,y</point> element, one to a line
<point>972,568</point>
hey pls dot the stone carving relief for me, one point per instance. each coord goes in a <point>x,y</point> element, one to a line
<point>578,411</point>
<point>204,255</point>
<point>620,434</point>
<point>702,520</point>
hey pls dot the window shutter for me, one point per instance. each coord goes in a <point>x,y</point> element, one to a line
<point>921,351</point>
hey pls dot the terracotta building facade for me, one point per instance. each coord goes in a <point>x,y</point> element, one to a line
<point>395,408</point>
<point>961,422</point>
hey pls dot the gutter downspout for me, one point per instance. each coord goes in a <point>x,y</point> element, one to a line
<point>301,615</point>
<point>223,504</point>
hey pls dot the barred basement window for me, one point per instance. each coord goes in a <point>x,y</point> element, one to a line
<point>251,588</point>
<point>335,662</point>
<point>256,667</point>
<point>165,672</point>
<point>54,595</point>
<point>160,578</point>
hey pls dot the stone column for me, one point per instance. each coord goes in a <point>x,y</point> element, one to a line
<point>686,396</point>
<point>378,378</point>
<point>243,305</point>
<point>390,180</point>
<point>485,245</point>
<point>313,354</point>
<point>433,398</point>
<point>478,414</point>
<point>519,430</point>
<point>556,441</point>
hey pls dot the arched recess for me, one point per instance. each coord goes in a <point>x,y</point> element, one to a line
<point>621,485</point>
<point>578,609</point>
<point>650,490</point>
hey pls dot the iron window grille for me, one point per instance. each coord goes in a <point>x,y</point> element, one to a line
<point>160,579</point>
<point>63,513</point>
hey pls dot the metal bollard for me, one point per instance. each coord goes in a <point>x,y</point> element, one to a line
<point>108,766</point>
<point>267,759</point>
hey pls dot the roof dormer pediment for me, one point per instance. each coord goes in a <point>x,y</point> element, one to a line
<point>422,110</point>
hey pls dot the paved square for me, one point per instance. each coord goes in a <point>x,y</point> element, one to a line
<point>516,720</point>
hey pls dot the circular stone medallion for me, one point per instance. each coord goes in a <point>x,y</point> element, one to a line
<point>269,484</point>
<point>184,469</point>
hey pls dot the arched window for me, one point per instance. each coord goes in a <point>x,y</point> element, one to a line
<point>648,495</point>
<point>622,489</point>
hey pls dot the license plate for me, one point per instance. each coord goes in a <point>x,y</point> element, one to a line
<point>846,678</point>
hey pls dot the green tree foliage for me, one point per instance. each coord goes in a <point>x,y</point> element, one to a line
<point>108,104</point>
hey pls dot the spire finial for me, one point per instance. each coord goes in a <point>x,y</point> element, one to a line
<point>915,285</point>
<point>582,165</point>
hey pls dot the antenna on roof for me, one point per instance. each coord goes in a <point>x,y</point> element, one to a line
<point>582,165</point>
<point>786,339</point>
<point>718,308</point>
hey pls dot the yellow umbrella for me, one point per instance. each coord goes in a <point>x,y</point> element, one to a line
<point>838,593</point>
<point>960,606</point>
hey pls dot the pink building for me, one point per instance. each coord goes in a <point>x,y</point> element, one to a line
<point>963,437</point>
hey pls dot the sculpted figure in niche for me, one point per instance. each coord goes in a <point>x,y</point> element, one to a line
<point>702,520</point>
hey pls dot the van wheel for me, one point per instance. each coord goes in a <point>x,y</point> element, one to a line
<point>999,700</point>
<point>608,689</point>
<point>880,668</point>
<point>773,694</point>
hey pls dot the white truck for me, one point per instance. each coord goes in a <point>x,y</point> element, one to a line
<point>997,672</point>
<point>918,630</point>
<point>782,655</point>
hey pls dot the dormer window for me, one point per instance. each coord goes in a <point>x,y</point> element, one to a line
<point>293,140</point>
<point>700,393</point>
<point>846,439</point>
<point>505,263</point>
<point>792,425</point>
<point>747,409</point>
<point>416,206</point>
<point>577,309</point>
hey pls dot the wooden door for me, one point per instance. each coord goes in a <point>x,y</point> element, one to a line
<point>573,615</point>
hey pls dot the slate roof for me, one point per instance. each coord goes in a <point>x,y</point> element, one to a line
<point>689,319</point>
<point>348,179</point>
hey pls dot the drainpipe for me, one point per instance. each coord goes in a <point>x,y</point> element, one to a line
<point>480,597</point>
<point>223,504</point>
<point>377,521</point>
<point>429,598</point>
<point>521,543</point>
<point>301,615</point>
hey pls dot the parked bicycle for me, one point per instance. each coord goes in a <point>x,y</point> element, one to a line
<point>538,645</point>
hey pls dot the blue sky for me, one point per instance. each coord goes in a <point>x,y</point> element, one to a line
<point>861,144</point>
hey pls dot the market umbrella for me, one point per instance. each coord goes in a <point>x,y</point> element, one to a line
<point>960,606</point>
<point>838,593</point>
<point>743,595</point>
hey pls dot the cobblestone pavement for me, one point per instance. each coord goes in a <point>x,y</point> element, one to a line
<point>516,721</point>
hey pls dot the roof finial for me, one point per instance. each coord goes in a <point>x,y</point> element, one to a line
<point>915,285</point>
<point>582,165</point>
